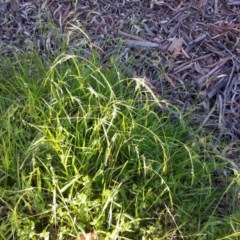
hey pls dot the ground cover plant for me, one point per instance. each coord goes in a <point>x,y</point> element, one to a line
<point>87,153</point>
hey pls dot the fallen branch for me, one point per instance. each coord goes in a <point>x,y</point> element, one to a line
<point>138,43</point>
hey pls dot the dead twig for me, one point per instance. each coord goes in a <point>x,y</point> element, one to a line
<point>130,36</point>
<point>144,44</point>
<point>233,2</point>
<point>204,78</point>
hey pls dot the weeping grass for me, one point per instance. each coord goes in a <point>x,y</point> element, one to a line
<point>87,153</point>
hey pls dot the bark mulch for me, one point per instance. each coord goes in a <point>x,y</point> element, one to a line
<point>189,51</point>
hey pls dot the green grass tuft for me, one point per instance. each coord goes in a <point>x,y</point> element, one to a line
<point>84,150</point>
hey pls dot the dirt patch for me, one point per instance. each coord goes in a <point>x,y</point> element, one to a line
<point>187,50</point>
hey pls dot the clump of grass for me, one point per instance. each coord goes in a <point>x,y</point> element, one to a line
<point>88,152</point>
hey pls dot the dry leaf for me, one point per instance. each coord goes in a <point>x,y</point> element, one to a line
<point>198,67</point>
<point>176,46</point>
<point>87,236</point>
